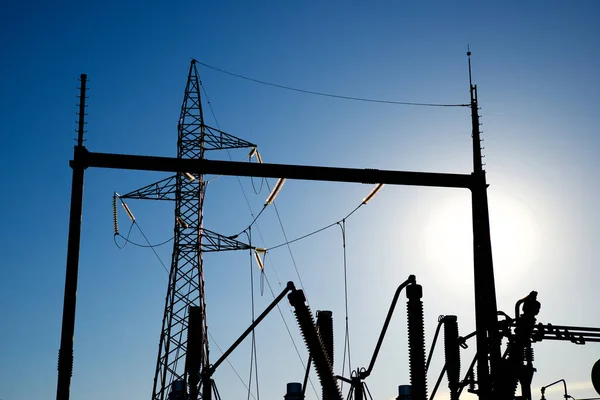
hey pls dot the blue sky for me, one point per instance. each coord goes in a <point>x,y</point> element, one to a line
<point>536,66</point>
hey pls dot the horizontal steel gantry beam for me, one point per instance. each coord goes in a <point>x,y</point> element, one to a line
<point>302,172</point>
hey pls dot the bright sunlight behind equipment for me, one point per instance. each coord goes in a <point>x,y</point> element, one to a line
<point>447,238</point>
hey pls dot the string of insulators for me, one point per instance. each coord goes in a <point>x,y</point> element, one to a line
<point>259,261</point>
<point>128,211</point>
<point>189,176</point>
<point>115,214</point>
<point>181,222</point>
<point>254,152</point>
<point>275,191</point>
<point>372,194</point>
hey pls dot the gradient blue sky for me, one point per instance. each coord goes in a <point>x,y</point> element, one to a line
<point>536,66</point>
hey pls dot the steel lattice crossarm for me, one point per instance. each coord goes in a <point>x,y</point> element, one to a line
<point>217,242</point>
<point>215,139</point>
<point>162,190</point>
<point>166,189</point>
<point>186,278</point>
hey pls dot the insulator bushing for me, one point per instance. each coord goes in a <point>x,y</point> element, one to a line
<point>314,345</point>
<point>529,354</point>
<point>452,354</point>
<point>325,328</point>
<point>416,342</point>
<point>115,214</point>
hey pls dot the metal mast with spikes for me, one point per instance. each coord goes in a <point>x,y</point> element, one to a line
<point>486,310</point>
<point>185,290</point>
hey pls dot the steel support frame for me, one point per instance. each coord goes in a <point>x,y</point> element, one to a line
<point>484,275</point>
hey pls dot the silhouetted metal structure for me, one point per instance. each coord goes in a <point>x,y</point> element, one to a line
<point>183,356</point>
<point>185,291</point>
<point>65,353</point>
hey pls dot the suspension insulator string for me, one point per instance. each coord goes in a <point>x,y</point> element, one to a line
<point>115,214</point>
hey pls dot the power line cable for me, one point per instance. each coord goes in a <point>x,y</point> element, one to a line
<point>347,333</point>
<point>230,364</point>
<point>404,103</point>
<point>289,248</point>
<point>251,223</point>
<point>127,240</point>
<point>290,335</point>
<point>316,231</point>
<point>253,355</point>
<point>262,238</point>
<point>210,335</point>
<point>151,247</point>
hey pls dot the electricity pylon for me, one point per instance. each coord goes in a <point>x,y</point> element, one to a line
<point>186,276</point>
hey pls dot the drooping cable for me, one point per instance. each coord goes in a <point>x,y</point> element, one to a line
<point>206,182</point>
<point>290,335</point>
<point>347,333</point>
<point>212,111</point>
<point>251,223</point>
<point>437,383</point>
<point>231,365</point>
<point>149,245</point>
<point>127,240</point>
<point>289,248</point>
<point>253,354</point>
<point>435,337</point>
<point>316,231</point>
<point>262,239</point>
<point>124,237</point>
<point>363,99</point>
<point>240,182</point>
<point>262,181</point>
<point>134,222</point>
<point>210,335</point>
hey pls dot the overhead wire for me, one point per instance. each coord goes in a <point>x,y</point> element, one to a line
<point>149,245</point>
<point>251,223</point>
<point>212,111</point>
<point>164,267</point>
<point>287,242</point>
<point>347,332</point>
<point>127,240</point>
<point>262,238</point>
<point>230,364</point>
<point>253,355</point>
<point>363,99</point>
<point>289,248</point>
<point>134,222</point>
<point>290,335</point>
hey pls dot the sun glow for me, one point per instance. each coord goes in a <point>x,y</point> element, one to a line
<point>516,237</point>
<point>447,238</point>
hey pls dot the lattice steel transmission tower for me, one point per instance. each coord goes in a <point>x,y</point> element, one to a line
<point>185,290</point>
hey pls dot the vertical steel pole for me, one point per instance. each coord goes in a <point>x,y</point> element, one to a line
<point>488,345</point>
<point>65,354</point>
